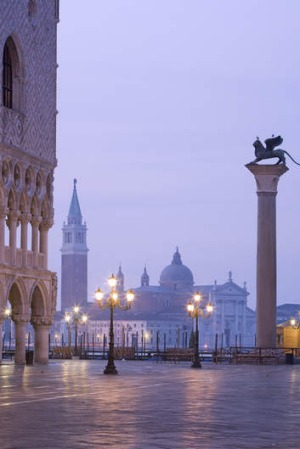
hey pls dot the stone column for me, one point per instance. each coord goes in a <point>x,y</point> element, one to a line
<point>3,213</point>
<point>12,222</point>
<point>41,338</point>
<point>20,329</point>
<point>266,177</point>
<point>35,221</point>
<point>44,228</point>
<point>24,219</point>
<point>1,339</point>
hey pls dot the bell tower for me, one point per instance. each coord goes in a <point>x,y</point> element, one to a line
<point>74,257</point>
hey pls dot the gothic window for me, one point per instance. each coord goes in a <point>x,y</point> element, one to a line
<point>12,86</point>
<point>7,78</point>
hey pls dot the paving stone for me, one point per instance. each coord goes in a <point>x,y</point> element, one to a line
<point>149,405</point>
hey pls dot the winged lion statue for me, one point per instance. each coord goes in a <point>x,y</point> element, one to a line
<point>269,151</point>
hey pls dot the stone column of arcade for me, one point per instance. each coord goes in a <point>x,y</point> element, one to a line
<point>20,333</point>
<point>266,177</point>
<point>35,222</point>
<point>41,339</point>
<point>44,228</point>
<point>1,340</point>
<point>24,219</point>
<point>12,222</point>
<point>3,213</point>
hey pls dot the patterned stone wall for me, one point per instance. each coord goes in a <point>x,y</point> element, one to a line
<point>32,26</point>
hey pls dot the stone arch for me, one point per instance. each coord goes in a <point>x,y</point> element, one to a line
<point>18,178</point>
<point>17,298</point>
<point>24,203</point>
<point>12,200</point>
<point>38,301</point>
<point>29,181</point>
<point>40,184</point>
<point>12,84</point>
<point>6,174</point>
<point>45,209</point>
<point>34,207</point>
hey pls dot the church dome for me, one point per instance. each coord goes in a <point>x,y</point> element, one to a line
<point>176,276</point>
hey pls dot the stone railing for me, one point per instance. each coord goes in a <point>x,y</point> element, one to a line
<point>19,256</point>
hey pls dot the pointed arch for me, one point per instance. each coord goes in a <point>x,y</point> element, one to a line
<point>45,209</point>
<point>38,301</point>
<point>24,203</point>
<point>12,75</point>
<point>17,297</point>
<point>12,200</point>
<point>34,207</point>
<point>29,180</point>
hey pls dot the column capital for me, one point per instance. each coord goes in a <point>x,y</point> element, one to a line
<point>46,224</point>
<point>41,321</point>
<point>24,218</point>
<point>35,220</point>
<point>267,176</point>
<point>12,217</point>
<point>20,318</point>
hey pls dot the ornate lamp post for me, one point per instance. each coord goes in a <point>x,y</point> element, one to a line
<point>111,303</point>
<point>78,319</point>
<point>196,309</point>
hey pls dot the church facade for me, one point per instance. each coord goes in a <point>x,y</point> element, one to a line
<point>232,321</point>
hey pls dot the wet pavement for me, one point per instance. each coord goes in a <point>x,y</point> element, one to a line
<point>149,405</point>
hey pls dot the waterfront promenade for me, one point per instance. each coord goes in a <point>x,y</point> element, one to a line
<point>70,404</point>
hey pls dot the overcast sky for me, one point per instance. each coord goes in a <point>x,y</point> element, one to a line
<point>159,104</point>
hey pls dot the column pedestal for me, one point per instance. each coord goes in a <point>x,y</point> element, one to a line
<point>266,177</point>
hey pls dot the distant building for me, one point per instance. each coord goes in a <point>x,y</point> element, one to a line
<point>74,259</point>
<point>159,318</point>
<point>232,321</point>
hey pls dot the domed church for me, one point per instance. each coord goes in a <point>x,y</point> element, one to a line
<point>231,320</point>
<point>177,276</point>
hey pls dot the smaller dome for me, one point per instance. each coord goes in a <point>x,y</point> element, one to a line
<point>176,276</point>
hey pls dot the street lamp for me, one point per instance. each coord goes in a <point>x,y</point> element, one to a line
<point>7,316</point>
<point>295,323</point>
<point>78,319</point>
<point>111,303</point>
<point>196,309</point>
